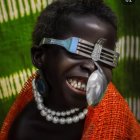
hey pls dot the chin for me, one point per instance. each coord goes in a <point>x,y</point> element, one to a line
<point>74,97</point>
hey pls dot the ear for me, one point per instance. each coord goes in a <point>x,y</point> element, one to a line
<point>37,55</point>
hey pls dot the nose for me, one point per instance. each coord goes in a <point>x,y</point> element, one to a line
<point>88,66</point>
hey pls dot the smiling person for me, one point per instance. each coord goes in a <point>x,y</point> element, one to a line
<point>71,97</point>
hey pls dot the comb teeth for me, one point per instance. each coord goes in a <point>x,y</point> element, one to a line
<point>85,48</point>
<point>105,55</point>
<point>97,52</point>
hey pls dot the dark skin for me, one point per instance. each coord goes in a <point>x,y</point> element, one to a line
<point>30,124</point>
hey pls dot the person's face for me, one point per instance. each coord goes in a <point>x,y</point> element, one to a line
<point>67,73</point>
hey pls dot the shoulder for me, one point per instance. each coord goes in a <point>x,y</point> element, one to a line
<point>112,117</point>
<point>113,105</point>
<point>112,101</point>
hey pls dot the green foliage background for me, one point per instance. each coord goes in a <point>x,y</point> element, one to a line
<point>126,75</point>
<point>15,43</point>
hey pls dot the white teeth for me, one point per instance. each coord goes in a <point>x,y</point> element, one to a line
<point>83,86</point>
<point>77,84</point>
<point>72,83</point>
<point>70,80</point>
<point>78,87</point>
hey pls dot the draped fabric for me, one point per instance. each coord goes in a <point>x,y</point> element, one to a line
<point>22,100</point>
<point>110,119</point>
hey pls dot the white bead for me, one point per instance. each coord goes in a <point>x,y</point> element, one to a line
<point>85,111</point>
<point>39,100</point>
<point>53,113</point>
<point>48,110</point>
<point>63,113</point>
<point>49,118</point>
<point>69,120</point>
<point>57,113</point>
<point>43,113</point>
<point>33,84</point>
<point>62,121</point>
<point>75,119</point>
<point>81,115</point>
<point>72,111</point>
<point>76,109</point>
<point>38,94</point>
<point>55,120</point>
<point>40,106</point>
<point>68,113</point>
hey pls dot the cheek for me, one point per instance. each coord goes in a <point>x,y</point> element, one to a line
<point>54,67</point>
<point>108,73</point>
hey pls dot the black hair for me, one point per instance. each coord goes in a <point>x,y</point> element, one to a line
<point>54,18</point>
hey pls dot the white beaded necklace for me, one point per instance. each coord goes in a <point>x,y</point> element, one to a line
<point>56,116</point>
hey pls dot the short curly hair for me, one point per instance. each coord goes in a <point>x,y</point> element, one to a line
<point>54,18</point>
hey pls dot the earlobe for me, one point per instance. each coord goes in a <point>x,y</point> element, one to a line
<point>36,55</point>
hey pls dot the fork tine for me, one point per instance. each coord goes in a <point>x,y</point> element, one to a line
<point>114,64</point>
<point>110,59</point>
<point>86,45</point>
<point>84,51</point>
<point>98,52</point>
<point>83,54</point>
<point>106,54</point>
<point>85,48</point>
<point>110,51</point>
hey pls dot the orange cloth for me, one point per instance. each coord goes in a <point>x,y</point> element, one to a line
<point>111,119</point>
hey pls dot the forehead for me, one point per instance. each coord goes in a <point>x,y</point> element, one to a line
<point>91,28</point>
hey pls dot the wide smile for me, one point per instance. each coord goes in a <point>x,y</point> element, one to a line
<point>77,84</point>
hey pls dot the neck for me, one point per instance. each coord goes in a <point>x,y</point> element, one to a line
<point>64,117</point>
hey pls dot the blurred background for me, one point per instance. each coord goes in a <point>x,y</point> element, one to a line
<point>17,19</point>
